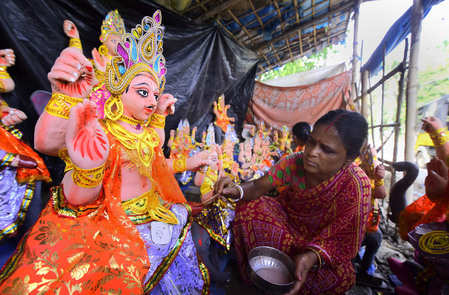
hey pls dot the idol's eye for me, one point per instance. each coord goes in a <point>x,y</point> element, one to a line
<point>156,96</point>
<point>142,92</point>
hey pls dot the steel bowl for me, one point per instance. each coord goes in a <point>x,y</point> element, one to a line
<point>271,270</point>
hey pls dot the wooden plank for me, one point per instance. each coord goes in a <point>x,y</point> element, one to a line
<point>217,10</point>
<point>294,29</point>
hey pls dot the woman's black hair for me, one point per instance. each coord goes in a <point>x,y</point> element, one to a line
<point>301,130</point>
<point>351,127</point>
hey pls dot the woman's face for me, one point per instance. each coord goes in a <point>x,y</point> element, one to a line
<point>140,99</point>
<point>324,152</point>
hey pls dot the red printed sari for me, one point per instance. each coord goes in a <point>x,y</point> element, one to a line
<point>330,218</point>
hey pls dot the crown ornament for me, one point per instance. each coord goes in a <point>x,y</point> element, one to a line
<point>138,51</point>
<point>112,24</point>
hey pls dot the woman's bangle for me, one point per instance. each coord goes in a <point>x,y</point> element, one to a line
<point>241,192</point>
<point>439,136</point>
<point>318,256</point>
<point>379,182</point>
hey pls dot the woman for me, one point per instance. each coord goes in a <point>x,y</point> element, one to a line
<point>118,224</point>
<point>320,219</point>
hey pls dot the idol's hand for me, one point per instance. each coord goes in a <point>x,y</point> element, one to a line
<point>72,74</point>
<point>166,104</point>
<point>99,60</point>
<point>86,142</point>
<point>431,124</point>
<point>226,187</point>
<point>13,117</point>
<point>304,263</point>
<point>70,29</point>
<point>7,58</point>
<point>22,161</point>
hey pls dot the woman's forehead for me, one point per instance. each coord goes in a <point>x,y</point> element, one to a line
<point>327,134</point>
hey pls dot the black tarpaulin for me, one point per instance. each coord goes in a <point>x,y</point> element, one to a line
<point>202,61</point>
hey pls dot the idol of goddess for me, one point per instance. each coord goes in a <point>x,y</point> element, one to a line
<point>112,29</point>
<point>21,171</point>
<point>222,120</point>
<point>119,222</point>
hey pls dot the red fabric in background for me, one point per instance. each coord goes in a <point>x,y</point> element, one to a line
<point>278,106</point>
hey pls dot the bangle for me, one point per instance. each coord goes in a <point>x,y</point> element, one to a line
<point>241,192</point>
<point>3,73</point>
<point>379,182</point>
<point>439,136</point>
<point>320,263</point>
<point>63,154</point>
<point>61,104</point>
<point>75,42</point>
<point>157,121</point>
<point>88,177</point>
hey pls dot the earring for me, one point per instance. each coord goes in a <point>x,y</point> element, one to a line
<point>113,108</point>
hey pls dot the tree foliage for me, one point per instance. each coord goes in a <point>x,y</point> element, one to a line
<point>302,64</point>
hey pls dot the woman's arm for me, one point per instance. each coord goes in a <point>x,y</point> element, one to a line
<point>251,190</point>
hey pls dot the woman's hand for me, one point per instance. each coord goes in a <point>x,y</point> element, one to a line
<point>70,29</point>
<point>72,74</point>
<point>436,182</point>
<point>86,142</point>
<point>166,104</point>
<point>304,263</point>
<point>13,117</point>
<point>226,187</point>
<point>379,172</point>
<point>431,124</point>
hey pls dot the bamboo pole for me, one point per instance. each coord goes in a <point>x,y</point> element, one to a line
<point>382,105</point>
<point>412,85</point>
<point>397,130</point>
<point>355,51</point>
<point>365,76</point>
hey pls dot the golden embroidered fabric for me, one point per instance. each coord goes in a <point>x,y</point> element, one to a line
<point>63,154</point>
<point>179,164</point>
<point>439,137</point>
<point>2,87</point>
<point>157,121</point>
<point>61,104</point>
<point>4,74</point>
<point>148,207</point>
<point>75,42</point>
<point>132,121</point>
<point>88,177</point>
<point>139,146</point>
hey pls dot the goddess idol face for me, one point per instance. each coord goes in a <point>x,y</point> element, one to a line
<point>141,97</point>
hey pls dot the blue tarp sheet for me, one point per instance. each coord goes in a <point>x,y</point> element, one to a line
<point>398,32</point>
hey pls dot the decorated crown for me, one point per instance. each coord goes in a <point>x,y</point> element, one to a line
<point>139,51</point>
<point>112,24</point>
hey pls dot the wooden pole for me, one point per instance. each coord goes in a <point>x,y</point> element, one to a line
<point>365,77</point>
<point>398,109</point>
<point>355,51</point>
<point>412,85</point>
